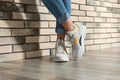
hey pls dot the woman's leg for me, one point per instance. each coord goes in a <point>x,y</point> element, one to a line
<point>76,32</point>
<point>59,10</point>
<point>59,27</point>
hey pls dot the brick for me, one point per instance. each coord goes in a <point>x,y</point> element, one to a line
<point>114,5</point>
<point>75,18</point>
<point>25,47</point>
<point>90,13</point>
<point>44,24</point>
<point>97,36</point>
<point>79,2</point>
<point>5,32</point>
<point>38,2</point>
<point>1,14</point>
<point>33,24</point>
<point>45,52</point>
<point>104,46</point>
<point>115,25</point>
<point>37,39</point>
<point>105,35</point>
<point>6,6</point>
<point>47,17</point>
<point>105,25</point>
<point>41,3</point>
<point>9,7</point>
<point>116,15</point>
<point>88,8</point>
<point>33,54</point>
<point>36,9</point>
<point>100,30</point>
<point>89,30</point>
<point>47,45</point>
<point>11,57</point>
<point>25,16</point>
<point>25,32</point>
<point>118,1</point>
<point>93,2</point>
<point>101,9</point>
<point>7,0</point>
<point>39,53</point>
<point>53,37</point>
<point>106,14</point>
<point>39,24</point>
<point>92,25</point>
<point>79,13</point>
<point>18,7</point>
<point>5,49</point>
<point>86,19</point>
<point>51,24</point>
<point>47,31</point>
<point>11,40</point>
<point>88,42</point>
<point>112,20</point>
<point>112,30</point>
<point>115,44</point>
<point>113,10</point>
<point>111,40</point>
<point>93,47</point>
<point>75,6</point>
<point>3,6</point>
<point>114,1</point>
<point>117,10</point>
<point>100,41</point>
<point>118,39</point>
<point>100,19</point>
<point>5,15</point>
<point>11,24</point>
<point>115,35</point>
<point>118,20</point>
<point>106,4</point>
<point>28,1</point>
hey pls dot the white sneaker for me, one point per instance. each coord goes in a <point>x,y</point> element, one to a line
<point>60,52</point>
<point>77,38</point>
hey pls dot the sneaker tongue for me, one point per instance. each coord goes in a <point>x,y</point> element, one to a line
<point>70,33</point>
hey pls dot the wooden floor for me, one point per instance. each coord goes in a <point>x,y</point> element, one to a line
<point>94,65</point>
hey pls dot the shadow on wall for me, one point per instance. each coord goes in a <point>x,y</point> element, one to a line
<point>22,26</point>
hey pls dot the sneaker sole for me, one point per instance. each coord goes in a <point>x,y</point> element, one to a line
<point>57,59</point>
<point>83,34</point>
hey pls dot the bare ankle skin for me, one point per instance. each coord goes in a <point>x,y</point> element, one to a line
<point>61,36</point>
<point>68,25</point>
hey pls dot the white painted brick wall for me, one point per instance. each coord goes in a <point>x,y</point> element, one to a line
<point>28,27</point>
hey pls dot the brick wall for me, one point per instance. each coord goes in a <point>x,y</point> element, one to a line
<point>27,27</point>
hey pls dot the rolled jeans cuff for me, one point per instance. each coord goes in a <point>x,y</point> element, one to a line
<point>60,31</point>
<point>63,18</point>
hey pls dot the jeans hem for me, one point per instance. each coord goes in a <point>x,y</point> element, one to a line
<point>60,31</point>
<point>63,18</point>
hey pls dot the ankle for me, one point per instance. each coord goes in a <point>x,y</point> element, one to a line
<point>68,25</point>
<point>61,36</point>
<point>71,31</point>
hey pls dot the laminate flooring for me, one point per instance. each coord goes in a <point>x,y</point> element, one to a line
<point>94,65</point>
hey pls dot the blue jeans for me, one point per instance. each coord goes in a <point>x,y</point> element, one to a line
<point>61,9</point>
